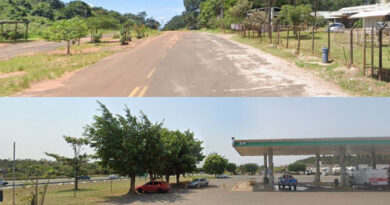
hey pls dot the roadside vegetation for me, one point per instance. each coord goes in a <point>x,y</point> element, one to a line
<point>89,193</point>
<point>131,146</point>
<point>216,16</point>
<point>43,13</point>
<point>89,33</point>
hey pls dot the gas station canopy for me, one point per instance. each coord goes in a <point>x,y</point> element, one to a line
<point>325,146</point>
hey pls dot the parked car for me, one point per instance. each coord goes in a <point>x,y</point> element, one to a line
<point>3,183</point>
<point>114,176</point>
<point>222,176</point>
<point>288,180</point>
<point>196,183</point>
<point>154,186</point>
<point>336,28</point>
<point>84,177</point>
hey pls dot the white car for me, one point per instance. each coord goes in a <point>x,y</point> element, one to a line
<point>114,176</point>
<point>337,28</point>
<point>222,176</point>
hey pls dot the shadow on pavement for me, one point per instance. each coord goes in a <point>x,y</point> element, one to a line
<point>175,195</point>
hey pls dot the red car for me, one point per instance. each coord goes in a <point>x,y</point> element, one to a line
<point>154,186</point>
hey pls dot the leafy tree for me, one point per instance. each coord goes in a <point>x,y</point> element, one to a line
<point>215,164</point>
<point>231,167</point>
<point>78,159</point>
<point>295,15</point>
<point>77,9</point>
<point>101,22</point>
<point>152,23</point>
<point>240,9</point>
<point>66,30</point>
<point>126,144</point>
<point>44,10</point>
<point>182,152</point>
<point>295,167</point>
<point>256,18</point>
<point>177,22</point>
<point>251,168</point>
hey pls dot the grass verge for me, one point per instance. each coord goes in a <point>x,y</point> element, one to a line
<point>89,193</point>
<point>18,73</point>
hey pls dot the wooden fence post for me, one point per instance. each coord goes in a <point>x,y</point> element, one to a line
<point>381,52</point>
<point>2,32</point>
<point>299,40</point>
<point>351,45</point>
<point>372,50</point>
<point>288,34</point>
<point>364,51</point>
<point>26,35</point>
<point>329,41</point>
<point>312,41</point>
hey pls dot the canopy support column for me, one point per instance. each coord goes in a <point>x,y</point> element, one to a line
<point>265,179</point>
<point>271,167</point>
<point>373,160</point>
<point>343,167</point>
<point>317,177</point>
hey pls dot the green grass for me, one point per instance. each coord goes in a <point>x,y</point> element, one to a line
<point>89,193</point>
<point>352,82</point>
<point>51,65</point>
<point>47,66</point>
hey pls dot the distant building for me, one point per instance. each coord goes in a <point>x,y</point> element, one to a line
<point>370,14</point>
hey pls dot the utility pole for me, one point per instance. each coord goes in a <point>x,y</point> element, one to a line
<point>13,178</point>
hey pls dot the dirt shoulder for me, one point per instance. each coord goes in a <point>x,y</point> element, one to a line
<point>316,86</point>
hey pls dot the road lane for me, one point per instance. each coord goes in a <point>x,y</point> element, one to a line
<point>189,64</point>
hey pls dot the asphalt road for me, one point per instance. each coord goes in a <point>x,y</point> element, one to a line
<point>13,50</point>
<point>188,64</point>
<point>220,192</point>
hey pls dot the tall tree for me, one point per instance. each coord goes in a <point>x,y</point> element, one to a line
<point>231,167</point>
<point>66,30</point>
<point>77,160</point>
<point>128,145</point>
<point>215,164</point>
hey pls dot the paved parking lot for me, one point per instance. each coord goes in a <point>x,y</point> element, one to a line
<point>221,191</point>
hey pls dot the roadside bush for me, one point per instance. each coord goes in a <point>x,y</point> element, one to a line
<point>96,38</point>
<point>296,167</point>
<point>12,35</point>
<point>322,22</point>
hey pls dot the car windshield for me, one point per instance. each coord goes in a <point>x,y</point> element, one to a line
<point>195,180</point>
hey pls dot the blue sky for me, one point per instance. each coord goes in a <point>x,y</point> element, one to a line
<point>38,124</point>
<point>161,10</point>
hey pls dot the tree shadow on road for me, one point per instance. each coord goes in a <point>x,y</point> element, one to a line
<point>175,195</point>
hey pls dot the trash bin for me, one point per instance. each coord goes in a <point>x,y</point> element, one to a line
<point>336,182</point>
<point>325,55</point>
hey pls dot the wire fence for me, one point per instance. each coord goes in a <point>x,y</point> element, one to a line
<point>365,48</point>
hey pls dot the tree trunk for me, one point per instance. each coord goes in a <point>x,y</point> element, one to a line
<point>132,184</point>
<point>178,178</point>
<point>76,181</point>
<point>167,178</point>
<point>68,47</point>
<point>151,176</point>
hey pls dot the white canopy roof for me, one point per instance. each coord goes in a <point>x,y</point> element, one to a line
<point>374,13</point>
